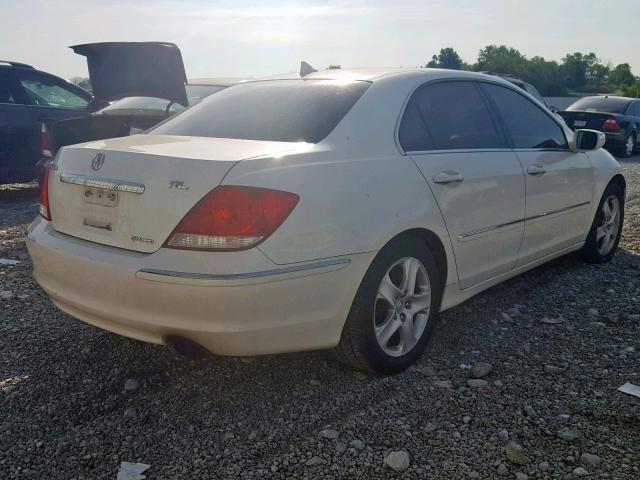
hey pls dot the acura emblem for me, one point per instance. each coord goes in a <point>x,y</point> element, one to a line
<point>97,161</point>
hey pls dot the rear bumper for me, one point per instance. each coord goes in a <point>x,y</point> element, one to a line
<point>617,137</point>
<point>278,309</point>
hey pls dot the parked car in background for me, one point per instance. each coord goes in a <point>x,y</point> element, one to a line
<point>344,208</point>
<point>29,97</point>
<point>527,87</point>
<point>617,117</point>
<point>31,101</point>
<point>122,117</point>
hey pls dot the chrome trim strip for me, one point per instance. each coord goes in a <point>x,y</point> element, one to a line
<point>244,276</point>
<point>552,212</point>
<point>488,229</point>
<point>464,236</point>
<point>107,184</point>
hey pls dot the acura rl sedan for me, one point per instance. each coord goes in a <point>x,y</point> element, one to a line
<point>337,209</point>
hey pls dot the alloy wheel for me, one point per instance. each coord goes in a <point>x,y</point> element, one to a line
<point>630,145</point>
<point>402,306</point>
<point>609,225</point>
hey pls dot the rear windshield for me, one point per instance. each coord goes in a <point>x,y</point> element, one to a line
<point>601,104</point>
<point>276,110</point>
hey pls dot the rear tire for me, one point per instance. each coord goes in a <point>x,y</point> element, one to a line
<point>628,147</point>
<point>606,229</point>
<point>391,304</point>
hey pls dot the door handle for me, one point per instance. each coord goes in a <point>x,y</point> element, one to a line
<point>448,177</point>
<point>536,169</point>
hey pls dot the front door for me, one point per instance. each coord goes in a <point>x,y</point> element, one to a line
<point>559,182</point>
<point>452,137</point>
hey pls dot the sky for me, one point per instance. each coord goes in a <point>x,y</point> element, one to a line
<point>248,39</point>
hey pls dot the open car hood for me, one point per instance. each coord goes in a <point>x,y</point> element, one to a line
<point>127,69</point>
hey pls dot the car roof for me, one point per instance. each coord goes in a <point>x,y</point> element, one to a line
<point>216,81</point>
<point>616,98</point>
<point>10,63</point>
<point>374,74</point>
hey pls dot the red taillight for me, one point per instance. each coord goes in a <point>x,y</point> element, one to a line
<point>610,125</point>
<point>45,209</point>
<point>232,218</point>
<point>45,147</point>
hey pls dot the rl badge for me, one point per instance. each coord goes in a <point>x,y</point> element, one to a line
<point>98,160</point>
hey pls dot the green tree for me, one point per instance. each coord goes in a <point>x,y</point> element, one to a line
<point>598,74</point>
<point>621,75</point>
<point>577,67</point>
<point>544,75</point>
<point>500,59</point>
<point>632,90</point>
<point>447,58</point>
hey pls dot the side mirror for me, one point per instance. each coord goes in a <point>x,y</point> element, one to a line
<point>553,108</point>
<point>587,140</point>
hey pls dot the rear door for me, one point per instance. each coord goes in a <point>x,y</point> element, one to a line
<point>559,182</point>
<point>14,125</point>
<point>478,183</point>
<point>47,99</point>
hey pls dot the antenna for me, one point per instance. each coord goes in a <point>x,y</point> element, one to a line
<point>306,69</point>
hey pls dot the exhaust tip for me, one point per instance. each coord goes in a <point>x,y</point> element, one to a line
<point>184,347</point>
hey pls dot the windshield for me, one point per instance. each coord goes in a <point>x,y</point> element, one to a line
<point>601,104</point>
<point>276,110</point>
<point>158,106</point>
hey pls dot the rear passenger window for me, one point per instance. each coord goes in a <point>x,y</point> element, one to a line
<point>528,124</point>
<point>46,91</point>
<point>447,116</point>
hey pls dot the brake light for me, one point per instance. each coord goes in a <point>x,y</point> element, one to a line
<point>610,125</point>
<point>232,218</point>
<point>45,209</point>
<point>45,147</point>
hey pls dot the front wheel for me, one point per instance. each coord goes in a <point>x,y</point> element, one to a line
<point>604,236</point>
<point>393,314</point>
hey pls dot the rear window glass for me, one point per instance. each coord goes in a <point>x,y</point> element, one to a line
<point>276,110</point>
<point>601,104</point>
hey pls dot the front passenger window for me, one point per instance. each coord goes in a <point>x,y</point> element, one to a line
<point>528,124</point>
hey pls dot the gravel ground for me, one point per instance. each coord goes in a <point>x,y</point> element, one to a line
<point>76,401</point>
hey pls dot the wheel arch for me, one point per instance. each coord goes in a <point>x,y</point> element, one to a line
<point>435,245</point>
<point>619,180</point>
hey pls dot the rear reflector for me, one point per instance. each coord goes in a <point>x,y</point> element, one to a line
<point>45,210</point>
<point>232,218</point>
<point>45,147</point>
<point>611,125</point>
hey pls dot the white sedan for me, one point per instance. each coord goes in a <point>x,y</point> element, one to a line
<point>337,209</point>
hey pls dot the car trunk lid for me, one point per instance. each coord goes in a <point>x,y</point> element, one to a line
<point>131,192</point>
<point>126,69</point>
<point>576,119</point>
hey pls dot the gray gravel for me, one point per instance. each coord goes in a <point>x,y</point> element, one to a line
<point>76,402</point>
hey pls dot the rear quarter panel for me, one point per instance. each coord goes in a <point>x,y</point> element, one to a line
<point>346,206</point>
